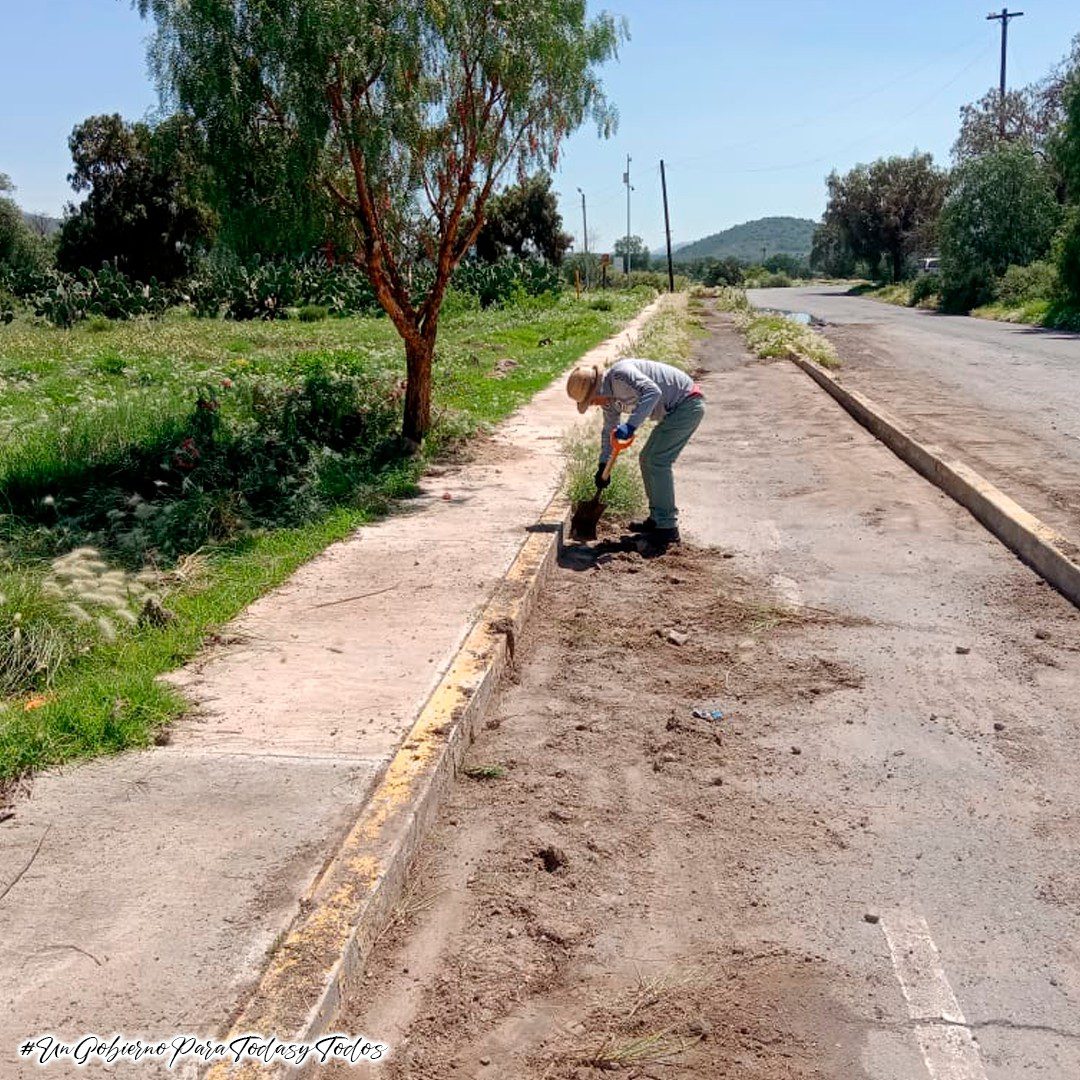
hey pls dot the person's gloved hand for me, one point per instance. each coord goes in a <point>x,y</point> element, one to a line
<point>624,432</point>
<point>602,481</point>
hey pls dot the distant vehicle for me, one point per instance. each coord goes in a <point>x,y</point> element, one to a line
<point>930,266</point>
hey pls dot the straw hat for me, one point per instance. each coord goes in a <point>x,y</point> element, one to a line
<point>583,383</point>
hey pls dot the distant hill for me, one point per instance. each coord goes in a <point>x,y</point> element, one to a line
<point>41,224</point>
<point>778,235</point>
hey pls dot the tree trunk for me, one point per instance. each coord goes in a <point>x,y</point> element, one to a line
<point>418,357</point>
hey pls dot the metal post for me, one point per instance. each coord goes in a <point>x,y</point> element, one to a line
<point>626,181</point>
<point>667,228</point>
<point>585,234</point>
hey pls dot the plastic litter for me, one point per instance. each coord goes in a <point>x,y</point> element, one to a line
<point>708,714</point>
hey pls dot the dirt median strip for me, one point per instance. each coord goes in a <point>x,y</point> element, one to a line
<point>590,902</point>
<point>1050,555</point>
<point>302,984</point>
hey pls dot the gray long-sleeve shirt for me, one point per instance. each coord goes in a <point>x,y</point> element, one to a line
<point>646,389</point>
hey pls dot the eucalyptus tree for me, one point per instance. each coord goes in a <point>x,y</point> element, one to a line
<point>405,112</point>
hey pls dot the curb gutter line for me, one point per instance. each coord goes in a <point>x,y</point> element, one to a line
<point>325,950</point>
<point>1047,552</point>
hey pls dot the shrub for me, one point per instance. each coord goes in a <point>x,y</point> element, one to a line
<point>1002,211</point>
<point>65,299</point>
<point>312,313</point>
<point>923,289</point>
<point>266,451</point>
<point>1067,258</point>
<point>507,279</point>
<point>1021,285</point>
<point>266,289</point>
<point>764,280</point>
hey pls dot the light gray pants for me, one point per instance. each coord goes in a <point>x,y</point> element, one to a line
<point>664,446</point>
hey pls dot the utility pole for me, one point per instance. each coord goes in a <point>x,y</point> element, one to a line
<point>629,188</point>
<point>585,234</point>
<point>1004,18</point>
<point>667,229</point>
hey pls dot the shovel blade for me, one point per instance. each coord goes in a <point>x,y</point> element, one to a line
<point>586,517</point>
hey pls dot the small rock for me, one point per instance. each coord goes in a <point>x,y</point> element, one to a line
<point>718,781</point>
<point>447,496</point>
<point>485,1061</point>
<point>677,637</point>
<point>796,751</point>
<point>553,858</point>
<point>999,726</point>
<point>1042,635</point>
<point>871,918</point>
<point>962,650</point>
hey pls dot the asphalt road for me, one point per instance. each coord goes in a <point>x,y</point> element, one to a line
<point>1003,398</point>
<point>949,769</point>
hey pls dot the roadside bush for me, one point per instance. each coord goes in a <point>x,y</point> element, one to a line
<point>65,299</point>
<point>1002,211</point>
<point>924,289</point>
<point>507,279</point>
<point>261,452</point>
<point>8,304</point>
<point>765,280</point>
<point>224,287</point>
<point>1067,258</point>
<point>1021,285</point>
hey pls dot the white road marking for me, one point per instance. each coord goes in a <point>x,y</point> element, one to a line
<point>947,1045</point>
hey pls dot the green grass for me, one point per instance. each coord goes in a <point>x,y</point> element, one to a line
<point>625,495</point>
<point>775,337</point>
<point>1048,314</point>
<point>72,399</point>
<point>484,772</point>
<point>899,294</point>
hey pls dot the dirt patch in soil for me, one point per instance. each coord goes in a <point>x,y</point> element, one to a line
<point>581,906</point>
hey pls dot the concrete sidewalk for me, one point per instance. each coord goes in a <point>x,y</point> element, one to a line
<point>163,877</point>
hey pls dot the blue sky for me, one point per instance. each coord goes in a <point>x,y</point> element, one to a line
<point>750,105</point>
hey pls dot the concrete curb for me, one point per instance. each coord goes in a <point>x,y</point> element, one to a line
<point>1047,552</point>
<point>310,968</point>
<point>307,975</point>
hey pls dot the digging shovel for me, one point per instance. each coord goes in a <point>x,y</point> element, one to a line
<point>587,515</point>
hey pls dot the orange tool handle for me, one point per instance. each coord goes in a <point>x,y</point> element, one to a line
<point>617,447</point>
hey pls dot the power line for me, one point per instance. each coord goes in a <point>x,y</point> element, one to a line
<point>862,138</point>
<point>840,107</point>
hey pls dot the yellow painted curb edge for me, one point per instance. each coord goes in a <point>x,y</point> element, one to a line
<point>311,969</point>
<point>1048,553</point>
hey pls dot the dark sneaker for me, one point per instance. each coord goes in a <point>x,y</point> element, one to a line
<point>662,538</point>
<point>646,526</point>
